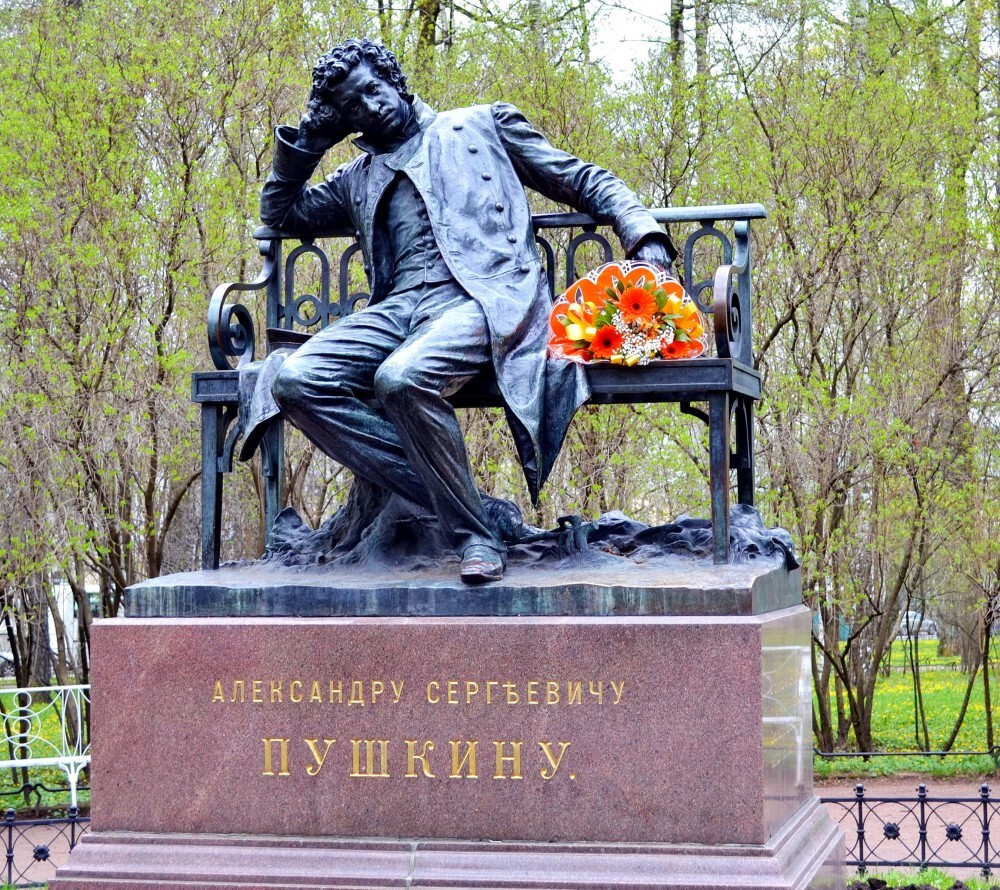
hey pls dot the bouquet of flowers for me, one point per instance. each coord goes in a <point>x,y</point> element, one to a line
<point>628,314</point>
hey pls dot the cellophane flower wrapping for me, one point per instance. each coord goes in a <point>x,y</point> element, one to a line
<point>626,313</point>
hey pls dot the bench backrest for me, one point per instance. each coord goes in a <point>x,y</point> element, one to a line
<point>571,243</point>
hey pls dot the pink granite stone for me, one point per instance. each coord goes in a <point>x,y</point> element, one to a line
<point>686,730</point>
<point>802,856</point>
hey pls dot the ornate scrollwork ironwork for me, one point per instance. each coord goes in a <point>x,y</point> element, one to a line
<point>33,847</point>
<point>728,310</point>
<point>727,315</point>
<point>548,260</point>
<point>588,236</point>
<point>230,325</point>
<point>347,301</point>
<point>697,288</point>
<point>307,310</point>
<point>231,332</point>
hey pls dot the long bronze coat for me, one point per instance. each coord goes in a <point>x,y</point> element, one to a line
<point>471,167</point>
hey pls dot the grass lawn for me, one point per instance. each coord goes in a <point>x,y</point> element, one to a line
<point>931,878</point>
<point>41,732</point>
<point>927,655</point>
<point>893,720</point>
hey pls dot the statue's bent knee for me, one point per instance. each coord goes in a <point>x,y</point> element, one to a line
<point>289,387</point>
<point>394,384</point>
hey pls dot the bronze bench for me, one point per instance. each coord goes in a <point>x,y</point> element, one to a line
<point>726,382</point>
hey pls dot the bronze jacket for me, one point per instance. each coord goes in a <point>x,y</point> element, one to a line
<point>471,167</point>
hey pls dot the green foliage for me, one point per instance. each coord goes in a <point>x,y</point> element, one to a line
<point>919,767</point>
<point>52,795</point>
<point>893,727</point>
<point>132,147</point>
<point>943,690</point>
<point>866,449</point>
<point>133,138</point>
<point>930,877</point>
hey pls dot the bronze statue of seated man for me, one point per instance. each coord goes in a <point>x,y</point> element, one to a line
<point>438,204</point>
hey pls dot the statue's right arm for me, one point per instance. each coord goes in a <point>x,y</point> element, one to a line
<point>288,202</point>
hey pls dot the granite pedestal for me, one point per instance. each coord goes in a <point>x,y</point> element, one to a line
<point>649,730</point>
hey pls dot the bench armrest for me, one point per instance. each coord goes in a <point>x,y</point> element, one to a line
<point>732,340</point>
<point>231,332</point>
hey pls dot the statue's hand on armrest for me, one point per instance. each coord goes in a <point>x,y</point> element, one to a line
<point>655,252</point>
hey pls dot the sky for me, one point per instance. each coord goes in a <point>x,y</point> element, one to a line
<point>626,31</point>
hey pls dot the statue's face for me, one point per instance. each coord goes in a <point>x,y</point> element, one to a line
<point>370,106</point>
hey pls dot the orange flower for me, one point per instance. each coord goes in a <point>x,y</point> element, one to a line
<point>606,343</point>
<point>683,349</point>
<point>637,304</point>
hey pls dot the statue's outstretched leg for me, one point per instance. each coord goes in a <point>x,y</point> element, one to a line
<point>409,352</point>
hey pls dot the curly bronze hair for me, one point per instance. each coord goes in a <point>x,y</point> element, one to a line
<point>333,66</point>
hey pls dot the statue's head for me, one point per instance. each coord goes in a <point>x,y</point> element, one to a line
<point>334,66</point>
<point>358,86</point>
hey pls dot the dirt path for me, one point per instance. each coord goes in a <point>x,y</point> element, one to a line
<point>954,829</point>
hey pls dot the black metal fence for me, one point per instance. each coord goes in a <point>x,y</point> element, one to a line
<point>919,832</point>
<point>35,847</point>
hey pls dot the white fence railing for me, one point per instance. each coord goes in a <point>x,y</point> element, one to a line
<point>46,726</point>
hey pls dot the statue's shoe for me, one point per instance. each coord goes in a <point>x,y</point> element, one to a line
<point>481,563</point>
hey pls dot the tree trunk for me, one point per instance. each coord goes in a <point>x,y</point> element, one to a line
<point>987,694</point>
<point>427,16</point>
<point>38,633</point>
<point>962,711</point>
<point>822,715</point>
<point>920,733</point>
<point>701,22</point>
<point>843,720</point>
<point>678,91</point>
<point>677,35</point>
